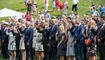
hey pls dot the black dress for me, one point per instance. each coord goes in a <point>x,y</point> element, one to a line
<point>29,6</point>
<point>61,50</point>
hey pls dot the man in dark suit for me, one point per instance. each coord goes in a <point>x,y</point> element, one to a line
<point>18,37</point>
<point>4,41</point>
<point>28,37</point>
<point>52,39</point>
<point>0,32</point>
<point>101,40</point>
<point>79,42</point>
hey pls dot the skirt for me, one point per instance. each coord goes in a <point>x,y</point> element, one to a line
<point>28,8</point>
<point>22,46</point>
<point>39,47</point>
<point>70,50</point>
<point>12,46</point>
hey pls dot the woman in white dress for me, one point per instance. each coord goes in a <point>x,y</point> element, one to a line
<point>37,44</point>
<point>70,53</point>
<point>22,46</point>
<point>12,43</point>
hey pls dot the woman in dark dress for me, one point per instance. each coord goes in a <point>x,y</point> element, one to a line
<point>92,37</point>
<point>61,51</point>
<point>29,5</point>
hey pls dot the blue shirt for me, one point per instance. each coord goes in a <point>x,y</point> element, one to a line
<point>47,15</point>
<point>71,15</point>
<point>91,12</point>
<point>102,9</point>
<point>26,0</point>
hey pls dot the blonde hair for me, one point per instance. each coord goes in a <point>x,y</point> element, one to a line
<point>61,29</point>
<point>93,22</point>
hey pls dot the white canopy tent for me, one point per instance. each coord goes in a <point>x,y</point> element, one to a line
<point>9,13</point>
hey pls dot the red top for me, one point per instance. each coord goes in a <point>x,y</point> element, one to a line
<point>45,1</point>
<point>28,17</point>
<point>56,0</point>
<point>57,3</point>
<point>61,6</point>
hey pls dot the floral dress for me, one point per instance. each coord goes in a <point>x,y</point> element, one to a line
<point>92,47</point>
<point>37,45</point>
<point>12,42</point>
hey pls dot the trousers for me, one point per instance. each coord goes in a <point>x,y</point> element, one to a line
<point>75,7</point>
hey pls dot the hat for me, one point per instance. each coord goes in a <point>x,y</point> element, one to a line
<point>4,22</point>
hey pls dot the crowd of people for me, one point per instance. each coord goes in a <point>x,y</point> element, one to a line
<point>54,38</point>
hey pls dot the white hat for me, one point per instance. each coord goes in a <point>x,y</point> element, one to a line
<point>4,22</point>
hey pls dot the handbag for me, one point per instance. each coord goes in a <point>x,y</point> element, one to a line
<point>88,42</point>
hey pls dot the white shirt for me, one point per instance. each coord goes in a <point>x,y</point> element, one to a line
<point>75,1</point>
<point>95,12</point>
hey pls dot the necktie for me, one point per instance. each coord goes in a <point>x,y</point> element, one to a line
<point>99,32</point>
<point>18,30</point>
<point>52,28</point>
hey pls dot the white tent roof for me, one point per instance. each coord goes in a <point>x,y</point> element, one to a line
<point>9,13</point>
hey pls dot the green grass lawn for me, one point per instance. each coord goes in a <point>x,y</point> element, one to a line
<point>18,5</point>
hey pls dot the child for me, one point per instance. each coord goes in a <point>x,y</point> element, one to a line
<point>46,4</point>
<point>102,10</point>
<point>71,14</point>
<point>94,12</point>
<point>57,3</point>
<point>41,15</point>
<point>61,7</point>
<point>34,5</point>
<point>93,5</point>
<point>65,7</point>
<point>54,5</point>
<point>47,14</point>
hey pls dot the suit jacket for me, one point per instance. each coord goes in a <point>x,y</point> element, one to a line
<point>52,31</point>
<point>28,35</point>
<point>78,34</point>
<point>4,36</point>
<point>102,34</point>
<point>0,35</point>
<point>17,38</point>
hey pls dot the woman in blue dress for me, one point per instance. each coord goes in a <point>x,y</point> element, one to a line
<point>70,52</point>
